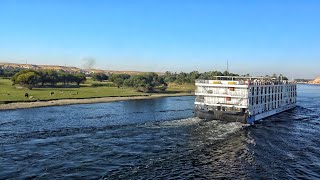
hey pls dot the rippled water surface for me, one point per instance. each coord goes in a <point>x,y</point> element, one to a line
<point>158,138</point>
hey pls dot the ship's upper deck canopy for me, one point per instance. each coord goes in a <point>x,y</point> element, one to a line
<point>250,80</point>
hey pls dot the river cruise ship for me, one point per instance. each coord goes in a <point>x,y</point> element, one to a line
<point>243,99</point>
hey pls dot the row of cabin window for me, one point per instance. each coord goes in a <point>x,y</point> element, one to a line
<point>273,105</point>
<point>292,94</point>
<point>271,89</point>
<point>268,98</point>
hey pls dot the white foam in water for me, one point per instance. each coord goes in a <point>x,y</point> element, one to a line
<point>221,130</point>
<point>182,122</point>
<point>174,123</point>
<point>213,129</point>
<point>232,127</point>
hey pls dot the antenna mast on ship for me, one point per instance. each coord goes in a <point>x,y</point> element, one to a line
<point>227,66</point>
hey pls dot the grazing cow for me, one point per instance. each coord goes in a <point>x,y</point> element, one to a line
<point>52,93</point>
<point>26,95</point>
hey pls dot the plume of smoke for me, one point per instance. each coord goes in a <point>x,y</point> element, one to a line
<point>88,63</point>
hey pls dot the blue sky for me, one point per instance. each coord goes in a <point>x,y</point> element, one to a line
<point>257,37</point>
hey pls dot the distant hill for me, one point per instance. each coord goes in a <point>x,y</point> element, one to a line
<point>64,68</point>
<point>316,81</point>
<point>37,67</point>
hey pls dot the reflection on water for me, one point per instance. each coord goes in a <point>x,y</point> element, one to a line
<point>158,138</point>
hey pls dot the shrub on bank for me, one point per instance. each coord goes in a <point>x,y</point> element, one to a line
<point>32,78</point>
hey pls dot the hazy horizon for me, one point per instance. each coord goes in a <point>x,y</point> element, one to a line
<point>258,38</point>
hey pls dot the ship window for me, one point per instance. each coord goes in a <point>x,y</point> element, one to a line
<point>257,100</point>
<point>269,89</point>
<point>261,99</point>
<point>265,99</point>
<point>252,91</point>
<point>252,101</point>
<point>261,90</point>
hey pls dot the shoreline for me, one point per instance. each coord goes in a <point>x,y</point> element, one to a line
<point>63,102</point>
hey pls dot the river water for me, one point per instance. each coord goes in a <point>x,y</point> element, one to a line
<point>158,138</point>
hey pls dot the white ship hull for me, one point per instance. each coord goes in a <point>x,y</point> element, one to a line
<point>263,115</point>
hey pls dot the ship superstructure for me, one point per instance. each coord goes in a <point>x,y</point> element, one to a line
<point>243,99</point>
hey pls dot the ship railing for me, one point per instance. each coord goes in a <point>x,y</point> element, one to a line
<point>222,103</point>
<point>219,93</point>
<point>269,82</point>
<point>200,100</point>
<point>202,81</point>
<point>253,82</point>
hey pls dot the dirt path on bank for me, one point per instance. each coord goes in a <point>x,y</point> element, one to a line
<point>61,102</point>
